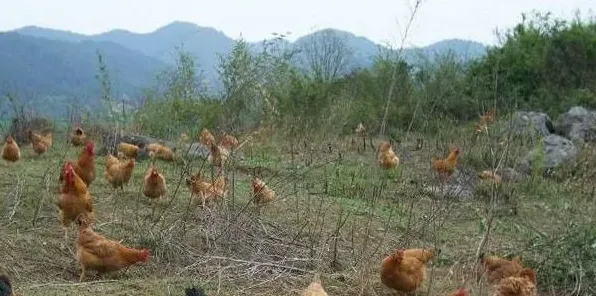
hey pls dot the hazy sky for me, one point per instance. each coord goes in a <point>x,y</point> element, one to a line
<point>380,20</point>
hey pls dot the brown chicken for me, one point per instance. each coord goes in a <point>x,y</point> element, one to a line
<point>229,142</point>
<point>218,156</point>
<point>486,119</point>
<point>262,193</point>
<point>11,151</point>
<point>205,191</point>
<point>496,268</point>
<point>119,174</point>
<point>154,185</point>
<point>78,137</point>
<point>74,199</point>
<point>522,285</point>
<point>85,166</point>
<point>206,138</point>
<point>387,158</point>
<point>111,160</point>
<point>490,175</point>
<point>40,142</point>
<point>315,288</point>
<point>95,252</point>
<point>405,271</point>
<point>446,167</point>
<point>128,150</point>
<point>160,152</point>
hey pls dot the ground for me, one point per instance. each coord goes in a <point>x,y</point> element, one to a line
<point>337,213</point>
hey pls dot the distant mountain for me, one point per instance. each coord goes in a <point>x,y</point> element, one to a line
<point>47,62</point>
<point>205,43</point>
<point>39,69</point>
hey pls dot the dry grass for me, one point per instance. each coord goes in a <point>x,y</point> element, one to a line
<point>336,213</point>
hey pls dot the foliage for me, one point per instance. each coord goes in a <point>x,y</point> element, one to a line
<point>541,65</point>
<point>569,258</point>
<point>178,103</point>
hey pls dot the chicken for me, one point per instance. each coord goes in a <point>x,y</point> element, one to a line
<point>128,150</point>
<point>95,252</point>
<point>405,271</point>
<point>161,152</point>
<point>154,185</point>
<point>78,137</point>
<point>461,292</point>
<point>40,142</point>
<point>11,151</point>
<point>119,174</point>
<point>218,156</point>
<point>74,200</point>
<point>386,156</point>
<point>85,166</point>
<point>229,142</point>
<point>446,167</point>
<point>490,175</point>
<point>496,268</point>
<point>207,192</point>
<point>5,286</point>
<point>522,285</point>
<point>262,193</point>
<point>485,120</point>
<point>111,160</point>
<point>206,138</point>
<point>315,288</point>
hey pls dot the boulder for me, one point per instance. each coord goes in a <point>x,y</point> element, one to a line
<point>194,151</point>
<point>577,124</point>
<point>461,186</point>
<point>523,121</point>
<point>553,151</point>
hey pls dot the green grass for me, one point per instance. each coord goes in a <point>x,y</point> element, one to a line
<point>323,201</point>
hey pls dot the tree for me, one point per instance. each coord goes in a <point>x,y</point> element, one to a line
<point>326,56</point>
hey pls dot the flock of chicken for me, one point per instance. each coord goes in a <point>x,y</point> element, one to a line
<point>403,271</point>
<point>75,202</point>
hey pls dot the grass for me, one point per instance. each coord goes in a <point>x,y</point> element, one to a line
<point>338,215</point>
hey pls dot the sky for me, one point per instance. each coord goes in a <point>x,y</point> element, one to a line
<point>382,21</point>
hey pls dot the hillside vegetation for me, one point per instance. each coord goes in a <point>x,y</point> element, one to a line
<point>59,67</point>
<point>337,213</point>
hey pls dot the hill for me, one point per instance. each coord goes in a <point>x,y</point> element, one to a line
<point>46,62</point>
<point>54,73</point>
<point>205,43</point>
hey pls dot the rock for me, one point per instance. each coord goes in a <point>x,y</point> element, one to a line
<point>195,150</point>
<point>461,186</point>
<point>578,124</point>
<point>555,150</point>
<point>523,121</point>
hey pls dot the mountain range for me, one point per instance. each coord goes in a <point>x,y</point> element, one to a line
<point>46,63</point>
